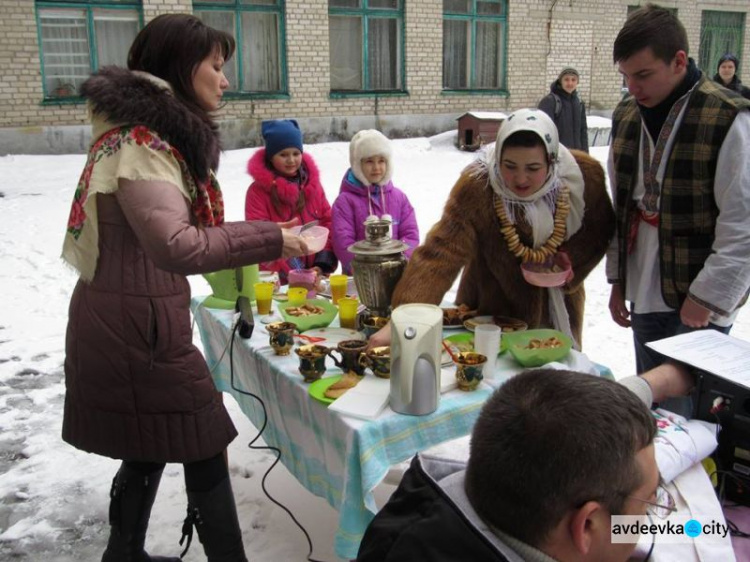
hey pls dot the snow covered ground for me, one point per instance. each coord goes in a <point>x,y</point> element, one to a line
<point>54,498</point>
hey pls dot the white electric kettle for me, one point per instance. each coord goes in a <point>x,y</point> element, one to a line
<point>416,336</point>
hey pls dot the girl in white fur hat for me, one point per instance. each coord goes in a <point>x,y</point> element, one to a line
<point>367,191</point>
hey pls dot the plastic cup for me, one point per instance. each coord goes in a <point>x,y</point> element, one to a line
<point>297,296</point>
<point>487,342</point>
<point>348,312</point>
<point>263,294</point>
<point>338,287</point>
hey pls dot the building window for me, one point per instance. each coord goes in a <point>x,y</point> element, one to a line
<point>78,39</point>
<point>258,66</point>
<point>474,44</point>
<point>721,32</point>
<point>366,45</point>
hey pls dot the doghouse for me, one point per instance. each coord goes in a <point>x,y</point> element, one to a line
<point>476,128</point>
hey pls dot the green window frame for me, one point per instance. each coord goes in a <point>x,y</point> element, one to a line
<point>77,38</point>
<point>258,68</point>
<point>721,32</point>
<point>366,47</point>
<point>475,46</point>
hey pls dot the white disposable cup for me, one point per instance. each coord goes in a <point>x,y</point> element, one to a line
<point>487,342</point>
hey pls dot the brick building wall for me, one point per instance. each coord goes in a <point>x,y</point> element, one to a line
<point>541,41</point>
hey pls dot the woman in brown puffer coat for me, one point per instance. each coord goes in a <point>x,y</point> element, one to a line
<point>147,212</point>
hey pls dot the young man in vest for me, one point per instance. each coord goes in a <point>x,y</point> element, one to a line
<point>680,178</point>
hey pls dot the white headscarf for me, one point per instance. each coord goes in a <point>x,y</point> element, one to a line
<point>539,207</point>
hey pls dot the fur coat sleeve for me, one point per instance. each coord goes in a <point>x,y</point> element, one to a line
<point>448,246</point>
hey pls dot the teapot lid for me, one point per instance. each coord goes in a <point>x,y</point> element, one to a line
<point>378,241</point>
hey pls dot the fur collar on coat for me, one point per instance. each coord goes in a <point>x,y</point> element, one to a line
<point>287,189</point>
<point>124,97</point>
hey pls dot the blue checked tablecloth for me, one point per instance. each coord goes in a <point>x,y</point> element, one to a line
<point>336,457</point>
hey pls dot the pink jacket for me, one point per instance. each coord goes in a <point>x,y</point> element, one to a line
<point>259,206</point>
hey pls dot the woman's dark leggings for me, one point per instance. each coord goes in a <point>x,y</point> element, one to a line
<point>200,476</point>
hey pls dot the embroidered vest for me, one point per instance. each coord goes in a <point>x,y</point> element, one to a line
<point>687,213</point>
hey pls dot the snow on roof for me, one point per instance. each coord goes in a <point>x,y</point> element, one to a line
<point>497,115</point>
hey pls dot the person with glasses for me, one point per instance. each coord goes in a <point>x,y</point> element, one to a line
<point>554,455</point>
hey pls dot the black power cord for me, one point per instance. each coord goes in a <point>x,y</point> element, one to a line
<point>265,447</point>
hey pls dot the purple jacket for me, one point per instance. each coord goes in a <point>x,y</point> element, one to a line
<point>353,206</point>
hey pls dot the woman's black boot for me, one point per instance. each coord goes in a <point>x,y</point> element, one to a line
<point>131,498</point>
<point>214,515</point>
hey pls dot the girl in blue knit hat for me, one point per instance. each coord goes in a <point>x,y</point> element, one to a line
<point>287,187</point>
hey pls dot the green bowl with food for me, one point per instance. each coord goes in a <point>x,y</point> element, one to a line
<point>315,313</point>
<point>534,348</point>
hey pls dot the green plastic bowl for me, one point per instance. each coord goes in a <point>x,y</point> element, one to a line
<point>518,342</point>
<point>305,323</point>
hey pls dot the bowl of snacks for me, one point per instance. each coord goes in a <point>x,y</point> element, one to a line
<point>315,313</point>
<point>552,273</point>
<point>315,237</point>
<point>533,348</point>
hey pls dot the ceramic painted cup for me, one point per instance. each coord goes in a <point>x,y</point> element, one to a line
<point>312,361</point>
<point>338,284</point>
<point>378,359</point>
<point>350,352</point>
<point>371,324</point>
<point>282,336</point>
<point>348,313</point>
<point>297,296</point>
<point>263,294</point>
<point>469,365</point>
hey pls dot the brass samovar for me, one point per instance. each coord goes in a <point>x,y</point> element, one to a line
<point>378,264</point>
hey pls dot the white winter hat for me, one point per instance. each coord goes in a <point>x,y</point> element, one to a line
<point>365,144</point>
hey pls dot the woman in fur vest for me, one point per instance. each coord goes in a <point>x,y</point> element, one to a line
<point>529,198</point>
<point>148,211</point>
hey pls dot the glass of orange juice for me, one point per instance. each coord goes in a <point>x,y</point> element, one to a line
<point>297,296</point>
<point>338,287</point>
<point>263,294</point>
<point>348,312</point>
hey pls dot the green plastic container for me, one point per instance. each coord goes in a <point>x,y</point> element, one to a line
<point>517,344</point>
<point>224,285</point>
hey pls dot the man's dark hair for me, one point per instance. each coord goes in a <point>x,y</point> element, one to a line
<point>524,139</point>
<point>171,47</point>
<point>549,441</point>
<point>651,26</point>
